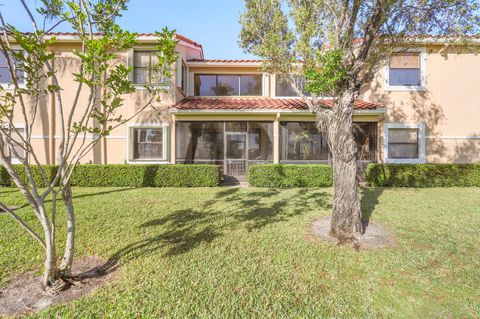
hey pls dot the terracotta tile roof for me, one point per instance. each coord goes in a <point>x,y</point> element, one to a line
<point>178,36</point>
<point>226,60</point>
<point>197,103</point>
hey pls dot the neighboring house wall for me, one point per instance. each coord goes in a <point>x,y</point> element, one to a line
<point>449,105</point>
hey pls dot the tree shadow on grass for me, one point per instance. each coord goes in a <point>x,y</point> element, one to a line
<point>96,193</point>
<point>369,200</point>
<point>183,230</point>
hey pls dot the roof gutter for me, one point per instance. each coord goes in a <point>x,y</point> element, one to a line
<point>225,64</point>
<point>174,110</point>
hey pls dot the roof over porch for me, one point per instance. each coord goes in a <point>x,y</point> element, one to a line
<point>204,104</point>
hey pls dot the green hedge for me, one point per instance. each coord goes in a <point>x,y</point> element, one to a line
<point>423,175</point>
<point>91,175</point>
<point>6,181</point>
<point>290,175</point>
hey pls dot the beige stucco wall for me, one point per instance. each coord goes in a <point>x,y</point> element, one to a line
<point>449,106</point>
<point>46,128</point>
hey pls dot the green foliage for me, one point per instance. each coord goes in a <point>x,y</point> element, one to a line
<point>48,170</point>
<point>91,175</point>
<point>423,175</point>
<point>185,175</point>
<point>290,175</point>
<point>286,31</point>
<point>328,74</point>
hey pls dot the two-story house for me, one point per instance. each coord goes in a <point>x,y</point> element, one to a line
<point>421,108</point>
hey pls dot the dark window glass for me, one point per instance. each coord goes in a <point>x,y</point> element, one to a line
<point>403,143</point>
<point>404,77</point>
<point>197,142</point>
<point>148,143</point>
<point>251,85</point>
<point>205,85</point>
<point>302,141</point>
<point>284,88</point>
<point>366,137</point>
<point>184,78</point>
<point>227,85</point>
<point>5,76</point>
<point>260,141</point>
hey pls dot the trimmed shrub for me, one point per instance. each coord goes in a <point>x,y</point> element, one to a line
<point>185,175</point>
<point>423,175</point>
<point>98,175</point>
<point>290,175</point>
<point>93,175</point>
<point>6,181</point>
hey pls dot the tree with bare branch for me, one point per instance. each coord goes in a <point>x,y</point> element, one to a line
<point>338,46</point>
<point>100,77</point>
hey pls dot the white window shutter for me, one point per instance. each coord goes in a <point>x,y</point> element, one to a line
<point>130,64</point>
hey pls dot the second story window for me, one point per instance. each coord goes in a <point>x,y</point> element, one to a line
<point>284,87</point>
<point>5,76</point>
<point>405,69</point>
<point>228,85</point>
<point>144,63</point>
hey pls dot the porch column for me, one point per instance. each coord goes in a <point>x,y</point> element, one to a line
<point>276,139</point>
<point>172,140</point>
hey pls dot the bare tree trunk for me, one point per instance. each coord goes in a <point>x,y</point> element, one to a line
<point>346,223</point>
<point>50,274</point>
<point>66,265</point>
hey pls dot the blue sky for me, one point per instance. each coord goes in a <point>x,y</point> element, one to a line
<point>213,23</point>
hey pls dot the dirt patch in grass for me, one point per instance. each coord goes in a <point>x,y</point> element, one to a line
<point>374,236</point>
<point>24,294</point>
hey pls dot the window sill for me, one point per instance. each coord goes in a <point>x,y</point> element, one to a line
<point>404,161</point>
<point>143,87</point>
<point>405,88</point>
<point>145,161</point>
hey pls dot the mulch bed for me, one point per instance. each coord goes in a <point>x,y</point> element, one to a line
<point>375,236</point>
<point>24,294</point>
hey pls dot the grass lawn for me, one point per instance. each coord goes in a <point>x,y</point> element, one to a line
<point>243,253</point>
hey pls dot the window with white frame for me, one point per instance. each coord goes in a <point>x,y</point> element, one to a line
<point>17,151</point>
<point>145,69</point>
<point>406,70</point>
<point>5,75</point>
<point>404,143</point>
<point>148,143</point>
